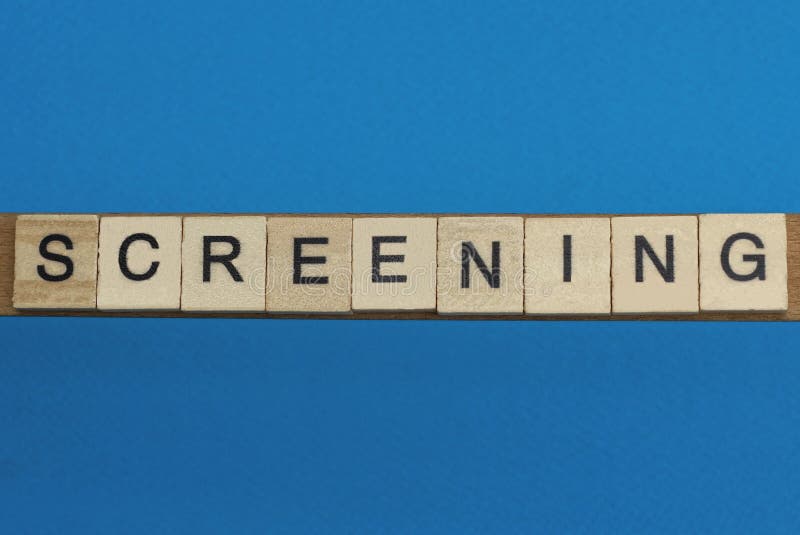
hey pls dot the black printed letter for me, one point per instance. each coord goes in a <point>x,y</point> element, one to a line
<point>226,259</point>
<point>123,257</point>
<point>377,258</point>
<point>668,271</point>
<point>299,260</point>
<point>760,272</point>
<point>47,255</point>
<point>468,251</point>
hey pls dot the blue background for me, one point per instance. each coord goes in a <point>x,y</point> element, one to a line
<point>175,426</point>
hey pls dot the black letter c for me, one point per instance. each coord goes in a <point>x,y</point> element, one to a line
<point>123,257</point>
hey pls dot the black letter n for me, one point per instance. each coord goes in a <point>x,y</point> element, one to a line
<point>468,252</point>
<point>643,246</point>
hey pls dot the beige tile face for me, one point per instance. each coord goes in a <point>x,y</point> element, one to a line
<point>139,265</point>
<point>65,277</point>
<point>568,265</point>
<point>309,264</point>
<point>403,249</point>
<point>652,293</point>
<point>224,263</point>
<point>464,288</point>
<point>743,262</point>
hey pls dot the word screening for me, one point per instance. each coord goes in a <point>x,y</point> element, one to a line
<point>452,265</point>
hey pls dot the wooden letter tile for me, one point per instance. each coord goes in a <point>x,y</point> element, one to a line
<point>479,265</point>
<point>743,262</point>
<point>394,263</point>
<point>223,262</point>
<point>139,265</point>
<point>654,264</point>
<point>55,263</point>
<point>309,264</point>
<point>568,265</point>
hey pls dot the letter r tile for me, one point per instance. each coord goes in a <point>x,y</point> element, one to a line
<point>224,262</point>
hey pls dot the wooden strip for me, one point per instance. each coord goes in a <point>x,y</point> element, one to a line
<point>8,220</point>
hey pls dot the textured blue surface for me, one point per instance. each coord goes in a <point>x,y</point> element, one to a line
<point>206,426</point>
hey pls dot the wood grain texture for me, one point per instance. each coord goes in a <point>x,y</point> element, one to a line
<point>76,234</point>
<point>8,220</point>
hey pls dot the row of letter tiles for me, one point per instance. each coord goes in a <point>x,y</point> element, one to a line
<point>452,265</point>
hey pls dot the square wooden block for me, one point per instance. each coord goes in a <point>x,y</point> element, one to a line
<point>224,263</point>
<point>394,263</point>
<point>479,265</point>
<point>309,264</point>
<point>743,262</point>
<point>55,262</point>
<point>568,265</point>
<point>654,264</point>
<point>139,265</point>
